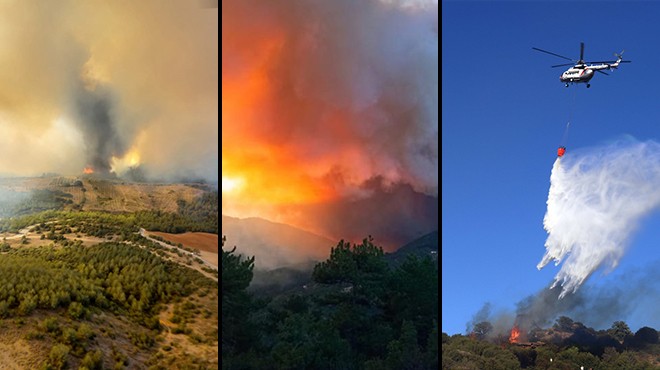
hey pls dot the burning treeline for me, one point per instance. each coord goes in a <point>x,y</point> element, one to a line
<point>515,334</point>
<point>330,116</point>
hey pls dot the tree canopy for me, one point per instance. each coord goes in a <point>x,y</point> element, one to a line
<point>355,313</point>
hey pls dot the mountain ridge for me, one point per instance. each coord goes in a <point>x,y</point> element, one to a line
<point>292,274</point>
<point>274,244</point>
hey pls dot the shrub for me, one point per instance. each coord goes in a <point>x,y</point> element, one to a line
<point>58,356</point>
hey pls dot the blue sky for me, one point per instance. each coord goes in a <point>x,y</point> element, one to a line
<point>504,111</point>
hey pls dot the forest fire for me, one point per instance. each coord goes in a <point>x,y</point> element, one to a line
<point>515,334</point>
<point>88,170</point>
<point>285,79</point>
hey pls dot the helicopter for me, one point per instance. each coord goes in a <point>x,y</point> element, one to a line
<point>581,71</point>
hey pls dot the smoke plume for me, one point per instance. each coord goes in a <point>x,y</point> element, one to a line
<point>322,98</point>
<point>95,117</point>
<point>109,85</point>
<point>596,201</point>
<point>394,215</point>
<point>630,296</point>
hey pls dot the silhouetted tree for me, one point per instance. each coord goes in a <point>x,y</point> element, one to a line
<point>619,330</point>
<point>482,329</point>
<point>647,335</point>
<point>564,324</point>
<point>236,276</point>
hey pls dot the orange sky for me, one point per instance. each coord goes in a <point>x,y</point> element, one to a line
<point>328,104</point>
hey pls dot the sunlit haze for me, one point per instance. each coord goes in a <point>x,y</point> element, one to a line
<point>230,184</point>
<point>108,86</point>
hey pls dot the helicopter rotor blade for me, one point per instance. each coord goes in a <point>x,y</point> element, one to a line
<point>547,52</point>
<point>608,62</point>
<point>562,65</point>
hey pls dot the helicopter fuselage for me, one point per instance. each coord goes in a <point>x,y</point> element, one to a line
<point>577,75</point>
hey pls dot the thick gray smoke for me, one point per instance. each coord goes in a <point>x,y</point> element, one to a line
<point>394,215</point>
<point>96,119</point>
<point>9,199</point>
<point>596,201</point>
<point>630,296</point>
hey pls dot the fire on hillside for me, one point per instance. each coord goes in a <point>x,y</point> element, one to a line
<point>515,334</point>
<point>518,337</point>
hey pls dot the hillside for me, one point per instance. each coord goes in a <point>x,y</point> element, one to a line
<point>274,244</point>
<point>426,245</point>
<point>91,193</point>
<point>292,277</point>
<point>286,255</point>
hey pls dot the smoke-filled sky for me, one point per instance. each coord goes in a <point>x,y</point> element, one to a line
<point>108,85</point>
<point>504,113</point>
<point>330,116</point>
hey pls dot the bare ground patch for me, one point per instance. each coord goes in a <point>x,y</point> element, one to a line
<point>201,241</point>
<point>206,243</point>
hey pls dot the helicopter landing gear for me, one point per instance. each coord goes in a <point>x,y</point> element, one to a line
<point>566,85</point>
<point>588,86</point>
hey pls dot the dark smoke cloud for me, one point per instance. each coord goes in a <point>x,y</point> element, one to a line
<point>394,215</point>
<point>598,306</point>
<point>96,119</point>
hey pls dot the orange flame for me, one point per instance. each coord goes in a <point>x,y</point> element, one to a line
<point>515,333</point>
<point>88,170</point>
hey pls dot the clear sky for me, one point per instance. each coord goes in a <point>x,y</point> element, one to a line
<point>504,112</point>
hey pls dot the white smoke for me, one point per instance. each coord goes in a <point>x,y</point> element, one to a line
<point>596,200</point>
